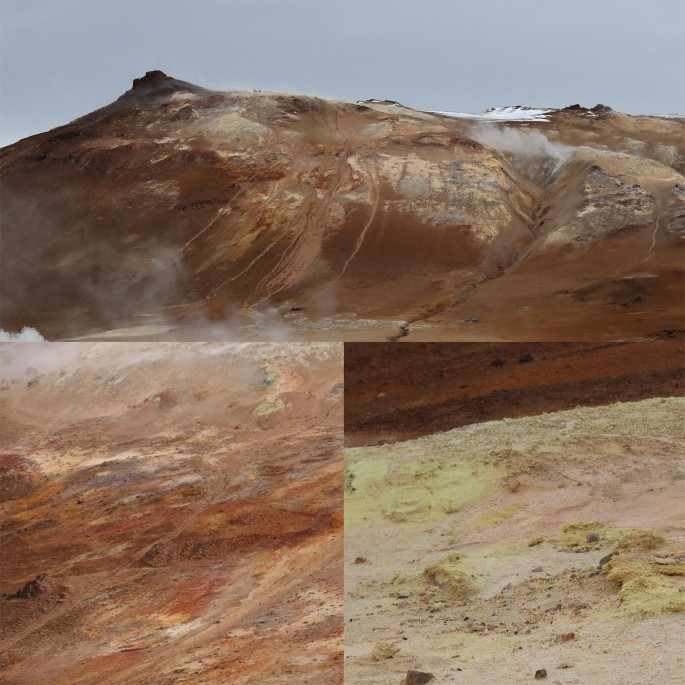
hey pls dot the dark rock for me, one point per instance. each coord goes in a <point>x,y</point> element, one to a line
<point>540,674</point>
<point>185,113</point>
<point>149,78</point>
<point>417,678</point>
<point>525,358</point>
<point>498,361</point>
<point>593,537</point>
<point>33,588</point>
<point>601,109</point>
<point>605,559</point>
<point>360,560</point>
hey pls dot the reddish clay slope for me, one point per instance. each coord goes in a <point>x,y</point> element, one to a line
<point>170,515</point>
<point>402,392</point>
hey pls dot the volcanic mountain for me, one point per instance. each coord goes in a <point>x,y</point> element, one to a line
<point>178,212</point>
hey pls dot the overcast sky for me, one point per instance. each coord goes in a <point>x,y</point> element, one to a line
<point>63,58</point>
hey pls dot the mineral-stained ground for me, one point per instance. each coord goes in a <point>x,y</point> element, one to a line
<point>179,213</point>
<point>501,548</point>
<point>393,393</point>
<point>171,514</point>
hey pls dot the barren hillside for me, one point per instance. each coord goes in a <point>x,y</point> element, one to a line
<point>182,213</point>
<point>170,513</point>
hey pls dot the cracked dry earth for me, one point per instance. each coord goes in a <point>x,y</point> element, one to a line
<point>171,513</point>
<point>489,552</point>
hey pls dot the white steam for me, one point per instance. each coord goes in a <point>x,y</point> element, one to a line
<point>26,335</point>
<point>526,145</point>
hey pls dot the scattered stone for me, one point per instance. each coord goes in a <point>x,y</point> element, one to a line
<point>606,559</point>
<point>450,579</point>
<point>33,588</point>
<point>384,650</point>
<point>512,485</point>
<point>540,674</point>
<point>417,678</point>
<point>566,637</point>
<point>185,113</point>
<point>360,560</point>
<point>525,358</point>
<point>667,561</point>
<point>497,361</point>
<point>593,537</point>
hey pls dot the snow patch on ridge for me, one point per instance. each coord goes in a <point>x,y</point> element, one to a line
<point>514,113</point>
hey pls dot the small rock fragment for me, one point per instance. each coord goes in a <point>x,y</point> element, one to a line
<point>593,537</point>
<point>540,674</point>
<point>360,560</point>
<point>384,650</point>
<point>417,678</point>
<point>606,558</point>
<point>512,485</point>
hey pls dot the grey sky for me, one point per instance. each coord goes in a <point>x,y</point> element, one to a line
<point>63,58</point>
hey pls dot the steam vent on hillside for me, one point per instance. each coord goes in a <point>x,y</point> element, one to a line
<point>180,213</point>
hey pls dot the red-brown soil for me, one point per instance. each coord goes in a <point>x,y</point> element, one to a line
<point>397,392</point>
<point>170,514</point>
<point>263,215</point>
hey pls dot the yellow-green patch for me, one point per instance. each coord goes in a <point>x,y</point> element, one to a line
<point>651,594</point>
<point>412,491</point>
<point>588,535</point>
<point>270,375</point>
<point>646,586</point>
<point>447,579</point>
<point>495,517</point>
<point>269,405</point>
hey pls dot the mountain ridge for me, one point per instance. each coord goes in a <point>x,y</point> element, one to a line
<point>198,209</point>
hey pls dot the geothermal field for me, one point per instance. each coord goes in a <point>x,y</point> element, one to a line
<point>181,213</point>
<point>538,543</point>
<point>170,513</point>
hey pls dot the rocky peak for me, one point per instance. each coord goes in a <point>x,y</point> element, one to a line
<point>155,77</point>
